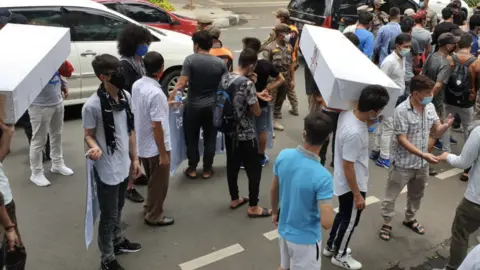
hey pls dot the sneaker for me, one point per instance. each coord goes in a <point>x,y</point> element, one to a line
<point>385,163</point>
<point>347,262</point>
<point>278,126</point>
<point>293,112</point>
<point>264,161</point>
<point>328,252</point>
<point>438,145</point>
<point>453,141</point>
<point>113,265</point>
<point>374,155</point>
<point>241,166</point>
<point>62,169</point>
<point>432,171</point>
<point>127,247</point>
<point>39,179</point>
<point>273,134</point>
<point>133,195</point>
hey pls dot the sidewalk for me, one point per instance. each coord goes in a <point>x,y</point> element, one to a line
<point>221,18</point>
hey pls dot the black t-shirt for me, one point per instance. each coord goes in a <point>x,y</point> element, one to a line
<point>444,27</point>
<point>264,70</point>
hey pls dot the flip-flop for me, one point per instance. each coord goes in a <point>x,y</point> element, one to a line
<point>211,172</point>
<point>385,232</point>
<point>244,201</point>
<point>417,228</point>
<point>186,173</point>
<point>265,213</point>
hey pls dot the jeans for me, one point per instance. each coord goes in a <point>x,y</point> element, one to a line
<point>194,119</point>
<point>323,151</point>
<point>158,178</point>
<point>466,116</point>
<point>245,152</point>
<point>383,137</point>
<point>45,121</point>
<point>111,200</point>
<point>17,259</point>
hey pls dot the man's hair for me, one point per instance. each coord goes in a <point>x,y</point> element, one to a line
<point>364,17</point>
<point>203,39</point>
<point>394,13</point>
<point>131,37</point>
<point>153,62</point>
<point>247,57</point>
<point>252,43</point>
<point>105,63</point>
<point>421,83</point>
<point>353,38</point>
<point>465,41</point>
<point>447,13</point>
<point>474,21</point>
<point>406,24</point>
<point>373,98</point>
<point>317,126</point>
<point>402,39</point>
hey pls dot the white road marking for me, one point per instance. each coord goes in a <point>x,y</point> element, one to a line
<point>245,28</point>
<point>449,173</point>
<point>237,51</point>
<point>271,235</point>
<point>369,200</point>
<point>212,257</point>
<point>405,189</point>
<point>266,27</point>
<point>249,3</point>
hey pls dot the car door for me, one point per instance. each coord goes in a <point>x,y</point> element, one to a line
<point>52,16</point>
<point>147,14</point>
<point>94,32</point>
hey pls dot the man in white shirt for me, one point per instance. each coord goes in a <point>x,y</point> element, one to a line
<point>472,261</point>
<point>351,171</point>
<point>150,107</point>
<point>394,67</point>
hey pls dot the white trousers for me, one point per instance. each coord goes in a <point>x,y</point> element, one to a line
<point>466,116</point>
<point>46,121</point>
<point>299,257</point>
<point>383,137</point>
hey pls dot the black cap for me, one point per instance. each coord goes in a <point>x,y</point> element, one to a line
<point>447,38</point>
<point>17,19</point>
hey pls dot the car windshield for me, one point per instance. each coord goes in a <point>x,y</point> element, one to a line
<point>317,7</point>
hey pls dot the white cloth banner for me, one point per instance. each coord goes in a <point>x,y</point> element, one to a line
<point>93,208</point>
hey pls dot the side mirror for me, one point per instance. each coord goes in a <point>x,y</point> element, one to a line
<point>175,22</point>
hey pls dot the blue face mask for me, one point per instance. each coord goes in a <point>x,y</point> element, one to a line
<point>142,50</point>
<point>421,4</point>
<point>426,100</point>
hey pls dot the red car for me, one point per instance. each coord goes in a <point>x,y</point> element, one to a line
<point>147,13</point>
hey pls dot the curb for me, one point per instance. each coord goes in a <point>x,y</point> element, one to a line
<point>231,20</point>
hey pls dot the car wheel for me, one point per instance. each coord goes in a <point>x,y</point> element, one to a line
<point>169,81</point>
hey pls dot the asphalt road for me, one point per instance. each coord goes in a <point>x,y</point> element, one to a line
<point>207,233</point>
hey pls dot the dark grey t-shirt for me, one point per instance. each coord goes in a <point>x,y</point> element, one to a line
<point>437,68</point>
<point>204,72</point>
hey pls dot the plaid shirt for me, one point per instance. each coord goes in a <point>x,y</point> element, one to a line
<point>417,128</point>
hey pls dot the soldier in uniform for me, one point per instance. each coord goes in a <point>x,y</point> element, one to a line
<point>431,20</point>
<point>279,53</point>
<point>218,49</point>
<point>380,17</point>
<point>203,22</point>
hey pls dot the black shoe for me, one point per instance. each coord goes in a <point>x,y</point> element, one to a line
<point>134,196</point>
<point>166,221</point>
<point>432,172</point>
<point>113,265</point>
<point>127,247</point>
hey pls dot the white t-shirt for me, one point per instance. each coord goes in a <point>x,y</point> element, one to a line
<point>5,187</point>
<point>149,104</point>
<point>351,145</point>
<point>472,261</point>
<point>394,67</point>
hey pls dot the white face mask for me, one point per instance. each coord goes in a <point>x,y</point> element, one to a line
<point>286,37</point>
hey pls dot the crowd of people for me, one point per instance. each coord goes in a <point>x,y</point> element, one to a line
<point>126,127</point>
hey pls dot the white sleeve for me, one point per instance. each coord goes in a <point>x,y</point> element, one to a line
<point>472,261</point>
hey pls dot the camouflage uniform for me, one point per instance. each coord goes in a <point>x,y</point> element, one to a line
<point>378,21</point>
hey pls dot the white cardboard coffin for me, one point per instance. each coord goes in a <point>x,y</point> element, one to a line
<point>30,55</point>
<point>341,70</point>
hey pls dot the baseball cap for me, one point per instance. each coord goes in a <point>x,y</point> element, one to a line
<point>409,12</point>
<point>378,2</point>
<point>282,28</point>
<point>213,31</point>
<point>364,8</point>
<point>447,38</point>
<point>282,12</point>
<point>421,14</point>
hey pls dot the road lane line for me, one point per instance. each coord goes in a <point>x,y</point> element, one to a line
<point>237,51</point>
<point>369,200</point>
<point>449,173</point>
<point>405,189</point>
<point>271,235</point>
<point>266,27</point>
<point>246,28</point>
<point>212,257</point>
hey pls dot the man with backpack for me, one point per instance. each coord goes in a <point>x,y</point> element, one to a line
<point>236,106</point>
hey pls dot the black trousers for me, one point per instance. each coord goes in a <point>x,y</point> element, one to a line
<point>344,225</point>
<point>194,119</point>
<point>323,151</point>
<point>27,127</point>
<point>12,260</point>
<point>245,152</point>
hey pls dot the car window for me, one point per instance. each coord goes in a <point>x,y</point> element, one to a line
<point>145,13</point>
<point>349,7</point>
<point>316,7</point>
<point>401,4</point>
<point>93,25</point>
<point>112,6</point>
<point>50,16</point>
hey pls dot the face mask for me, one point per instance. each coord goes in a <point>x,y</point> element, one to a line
<point>142,50</point>
<point>277,21</point>
<point>421,4</point>
<point>404,52</point>
<point>426,100</point>
<point>286,38</point>
<point>118,80</point>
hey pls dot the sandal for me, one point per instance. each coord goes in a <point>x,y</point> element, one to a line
<point>244,201</point>
<point>207,174</point>
<point>415,226</point>
<point>464,177</point>
<point>265,213</point>
<point>187,172</point>
<point>385,232</point>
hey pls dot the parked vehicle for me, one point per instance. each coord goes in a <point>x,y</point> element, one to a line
<point>94,30</point>
<point>147,13</point>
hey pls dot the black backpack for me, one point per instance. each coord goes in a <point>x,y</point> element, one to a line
<point>223,111</point>
<point>457,90</point>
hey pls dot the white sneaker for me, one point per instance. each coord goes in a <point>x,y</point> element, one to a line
<point>347,262</point>
<point>327,252</point>
<point>39,179</point>
<point>278,126</point>
<point>63,170</point>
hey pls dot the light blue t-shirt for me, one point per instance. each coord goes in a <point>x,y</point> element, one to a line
<point>303,183</point>
<point>366,40</point>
